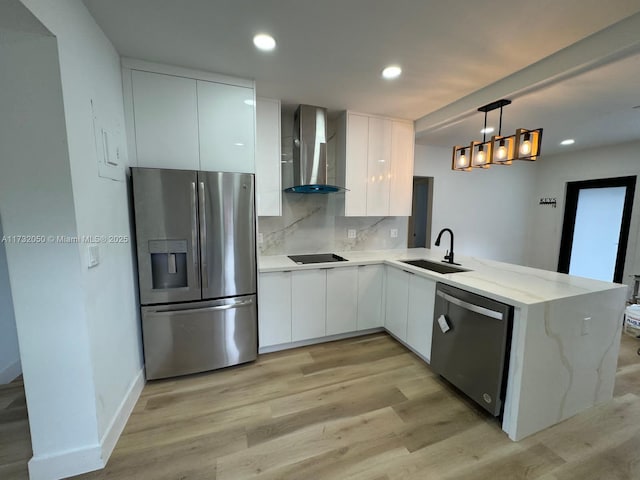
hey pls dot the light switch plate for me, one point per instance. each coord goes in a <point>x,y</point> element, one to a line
<point>94,256</point>
<point>586,326</point>
<point>394,233</point>
<point>351,233</point>
<point>260,238</point>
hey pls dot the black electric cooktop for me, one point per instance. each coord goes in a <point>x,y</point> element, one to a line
<point>317,258</point>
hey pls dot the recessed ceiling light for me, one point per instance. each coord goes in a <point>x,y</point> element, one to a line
<point>568,141</point>
<point>264,42</point>
<point>392,71</point>
<point>487,130</point>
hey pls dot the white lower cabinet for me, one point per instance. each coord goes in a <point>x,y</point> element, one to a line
<point>308,304</point>
<point>274,308</point>
<point>422,292</point>
<point>342,307</point>
<point>397,307</point>
<point>370,299</point>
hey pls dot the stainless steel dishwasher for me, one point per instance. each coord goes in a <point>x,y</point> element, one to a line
<point>471,342</point>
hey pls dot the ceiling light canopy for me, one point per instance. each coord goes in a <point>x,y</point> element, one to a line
<point>523,145</point>
<point>392,71</point>
<point>264,42</point>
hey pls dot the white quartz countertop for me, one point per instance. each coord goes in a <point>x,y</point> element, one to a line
<point>512,284</point>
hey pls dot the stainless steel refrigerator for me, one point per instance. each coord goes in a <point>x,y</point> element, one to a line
<point>196,268</point>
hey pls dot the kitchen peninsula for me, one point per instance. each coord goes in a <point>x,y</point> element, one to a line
<point>566,329</point>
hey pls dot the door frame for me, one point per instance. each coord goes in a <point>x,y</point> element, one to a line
<point>570,211</point>
<point>428,181</point>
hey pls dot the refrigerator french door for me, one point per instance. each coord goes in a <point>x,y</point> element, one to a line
<point>197,269</point>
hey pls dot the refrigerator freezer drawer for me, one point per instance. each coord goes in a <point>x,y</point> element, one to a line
<point>190,338</point>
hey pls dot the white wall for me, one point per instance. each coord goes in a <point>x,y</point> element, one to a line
<point>90,70</point>
<point>9,352</point>
<point>46,282</point>
<point>486,209</point>
<point>553,174</point>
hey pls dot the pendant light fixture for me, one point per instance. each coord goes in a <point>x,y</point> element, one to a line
<point>524,145</point>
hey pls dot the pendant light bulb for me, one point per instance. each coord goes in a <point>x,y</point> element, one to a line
<point>462,161</point>
<point>501,153</point>
<point>525,148</point>
<point>482,157</point>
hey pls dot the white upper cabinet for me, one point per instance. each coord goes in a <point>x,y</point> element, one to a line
<point>226,126</point>
<point>357,148</point>
<point>375,164</point>
<point>268,158</point>
<point>188,119</point>
<point>401,180</point>
<point>165,110</point>
<point>378,167</point>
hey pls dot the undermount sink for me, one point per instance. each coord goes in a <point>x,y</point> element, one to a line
<point>317,258</point>
<point>435,266</point>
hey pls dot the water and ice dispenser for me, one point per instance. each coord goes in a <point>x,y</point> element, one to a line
<point>168,264</point>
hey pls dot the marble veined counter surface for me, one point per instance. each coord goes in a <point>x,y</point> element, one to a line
<point>513,284</point>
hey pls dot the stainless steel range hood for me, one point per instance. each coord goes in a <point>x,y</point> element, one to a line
<point>310,151</point>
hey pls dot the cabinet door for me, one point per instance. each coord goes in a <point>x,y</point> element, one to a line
<point>308,304</point>
<point>226,119</point>
<point>401,181</point>
<point>378,167</point>
<point>165,121</point>
<point>268,158</point>
<point>342,292</point>
<point>370,283</point>
<point>397,302</point>
<point>422,294</point>
<point>357,147</point>
<point>274,308</point>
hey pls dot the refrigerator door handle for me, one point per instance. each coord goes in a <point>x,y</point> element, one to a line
<point>203,237</point>
<point>217,308</point>
<point>194,233</point>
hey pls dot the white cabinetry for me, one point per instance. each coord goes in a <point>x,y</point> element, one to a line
<point>397,307</point>
<point>268,158</point>
<point>342,307</point>
<point>226,119</point>
<point>370,299</point>
<point>165,110</point>
<point>401,179</point>
<point>274,308</point>
<point>422,293</point>
<point>354,132</point>
<point>308,304</point>
<point>375,164</point>
<point>185,119</point>
<point>378,167</point>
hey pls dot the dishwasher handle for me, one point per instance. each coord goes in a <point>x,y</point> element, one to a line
<point>487,312</point>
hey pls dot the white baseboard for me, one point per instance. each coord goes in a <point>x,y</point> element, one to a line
<point>66,464</point>
<point>10,372</point>
<point>115,428</point>
<point>94,457</point>
<point>314,341</point>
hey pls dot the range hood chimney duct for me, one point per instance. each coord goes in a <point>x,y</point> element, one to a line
<point>310,151</point>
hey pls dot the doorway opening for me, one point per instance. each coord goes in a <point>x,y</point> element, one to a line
<point>420,219</point>
<point>595,230</point>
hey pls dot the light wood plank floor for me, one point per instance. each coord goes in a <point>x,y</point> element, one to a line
<point>15,439</point>
<point>362,409</point>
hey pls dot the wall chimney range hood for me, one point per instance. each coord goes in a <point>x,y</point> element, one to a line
<point>310,151</point>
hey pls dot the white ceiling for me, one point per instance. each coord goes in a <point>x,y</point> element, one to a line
<point>331,52</point>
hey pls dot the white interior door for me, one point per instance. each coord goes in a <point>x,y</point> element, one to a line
<point>597,232</point>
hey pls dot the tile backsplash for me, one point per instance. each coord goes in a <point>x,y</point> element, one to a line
<point>310,224</point>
